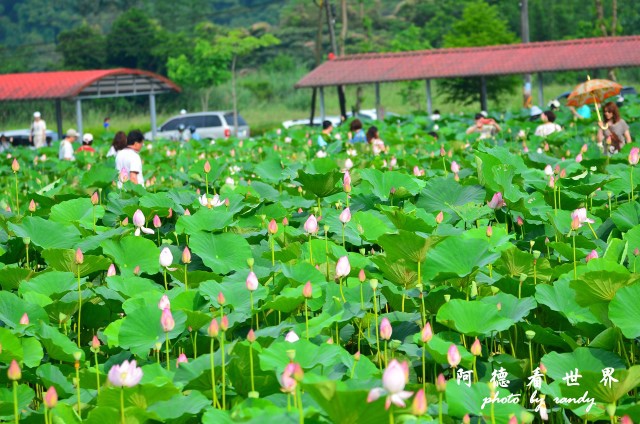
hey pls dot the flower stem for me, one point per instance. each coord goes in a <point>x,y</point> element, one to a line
<point>93,216</point>
<point>424,367</point>
<point>575,266</point>
<point>213,376</point>
<point>167,350</point>
<point>301,409</point>
<point>440,408</point>
<point>206,184</point>
<point>631,194</point>
<point>306,316</point>
<point>95,355</point>
<point>186,282</point>
<point>16,412</point>
<point>310,251</point>
<point>79,305</point>
<point>273,250</point>
<point>122,420</point>
<point>224,400</point>
<point>253,388</point>
<point>77,367</point>
<point>343,244</point>
<point>15,174</point>
<point>341,292</point>
<point>166,286</point>
<point>375,312</point>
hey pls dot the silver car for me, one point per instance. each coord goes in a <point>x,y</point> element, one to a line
<point>213,125</point>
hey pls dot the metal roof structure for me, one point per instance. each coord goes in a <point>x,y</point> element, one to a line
<point>529,58</point>
<point>81,85</point>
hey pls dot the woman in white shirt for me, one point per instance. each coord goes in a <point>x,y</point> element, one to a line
<point>549,126</point>
<point>128,162</point>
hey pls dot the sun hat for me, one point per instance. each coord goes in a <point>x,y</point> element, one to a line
<point>535,111</point>
<point>36,114</point>
<point>72,133</point>
<point>87,137</point>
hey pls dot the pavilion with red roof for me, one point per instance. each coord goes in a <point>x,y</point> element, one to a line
<point>81,85</point>
<point>529,58</point>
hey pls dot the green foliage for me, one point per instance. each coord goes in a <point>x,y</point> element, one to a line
<point>83,47</point>
<point>132,40</point>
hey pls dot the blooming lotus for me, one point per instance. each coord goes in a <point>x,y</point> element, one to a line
<point>291,337</point>
<point>212,202</point>
<point>497,201</point>
<point>182,359</point>
<point>394,379</point>
<point>581,214</point>
<point>139,221</point>
<point>291,375</point>
<point>592,255</point>
<point>125,375</point>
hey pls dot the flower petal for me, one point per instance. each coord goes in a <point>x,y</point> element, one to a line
<point>374,394</point>
<point>147,230</point>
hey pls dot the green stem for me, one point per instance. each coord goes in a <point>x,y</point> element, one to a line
<point>15,174</point>
<point>93,215</point>
<point>122,420</point>
<point>375,312</point>
<point>306,317</point>
<point>530,356</point>
<point>424,367</point>
<point>310,251</point>
<point>79,305</point>
<point>78,387</point>
<point>300,408</point>
<point>391,418</point>
<point>253,388</point>
<point>341,292</point>
<point>343,244</point>
<point>575,266</point>
<point>251,303</point>
<point>166,286</point>
<point>440,408</point>
<point>95,356</point>
<point>273,251</point>
<point>444,166</point>
<point>186,282</point>
<point>631,194</point>
<point>27,253</point>
<point>213,376</point>
<point>16,412</point>
<point>224,400</point>
<point>206,184</point>
<point>386,358</point>
<point>475,370</point>
<point>361,297</point>
<point>166,349</point>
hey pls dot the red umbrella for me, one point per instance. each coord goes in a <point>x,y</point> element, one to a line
<point>593,92</point>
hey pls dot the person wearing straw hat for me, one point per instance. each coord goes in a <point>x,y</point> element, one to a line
<point>38,133</point>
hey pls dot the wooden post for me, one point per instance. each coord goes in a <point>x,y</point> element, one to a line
<point>540,90</point>
<point>152,109</point>
<point>483,94</point>
<point>59,117</point>
<point>378,107</point>
<point>79,117</point>
<point>429,104</point>
<point>322,111</point>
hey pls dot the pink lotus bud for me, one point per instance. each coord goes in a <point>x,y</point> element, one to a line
<point>79,257</point>
<point>14,373</point>
<point>636,251</point>
<point>439,218</point>
<point>166,320</point>
<point>186,255</point>
<point>207,167</point>
<point>626,420</point>
<point>291,337</point>
<point>563,173</point>
<point>273,226</point>
<point>519,221</point>
<point>252,281</point>
<point>166,258</point>
<point>95,343</point>
<point>499,306</point>
<point>15,166</point>
<point>156,221</point>
<point>453,356</point>
<point>285,221</point>
<point>221,299</point>
<point>330,340</point>
<point>579,157</point>
<point>419,406</point>
<point>32,206</point>
<point>50,398</point>
<point>442,151</point>
<point>311,225</point>
<point>125,221</point>
<point>24,320</point>
<point>227,202</point>
<point>575,223</point>
<point>634,156</point>
<point>441,383</point>
<point>300,190</point>
<point>224,323</point>
<point>251,336</point>
<point>592,255</point>
<point>342,267</point>
<point>476,348</point>
<point>513,420</point>
<point>362,276</point>
<point>94,198</point>
<point>548,170</point>
<point>489,231</point>
<point>426,334</point>
<point>182,359</point>
<point>164,303</point>
<point>138,218</point>
<point>497,201</point>
<point>345,216</point>
<point>466,419</point>
<point>584,148</point>
<point>385,329</point>
<point>455,168</point>
<point>170,213</point>
<point>552,182</point>
<point>307,290</point>
<point>187,212</point>
<point>136,270</point>
<point>213,329</point>
<point>346,179</point>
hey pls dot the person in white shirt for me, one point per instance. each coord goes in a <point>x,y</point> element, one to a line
<point>66,146</point>
<point>128,162</point>
<point>549,126</point>
<point>38,134</point>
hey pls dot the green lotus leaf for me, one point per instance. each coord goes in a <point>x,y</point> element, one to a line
<point>54,284</point>
<point>25,397</point>
<point>47,234</point>
<point>462,316</point>
<point>457,257</point>
<point>624,310</point>
<point>204,219</point>
<point>79,211</point>
<point>321,185</point>
<point>179,406</point>
<point>382,183</point>
<point>64,260</point>
<point>345,405</point>
<point>222,253</point>
<point>582,358</point>
<point>11,277</point>
<point>270,170</point>
<point>599,286</point>
<point>57,345</point>
<point>408,245</point>
<point>52,376</point>
<point>12,308</point>
<point>445,194</point>
<point>510,306</point>
<point>626,216</point>
<point>591,382</point>
<point>132,251</point>
<point>562,298</point>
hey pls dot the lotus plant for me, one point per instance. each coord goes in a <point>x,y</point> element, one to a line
<point>125,375</point>
<point>272,229</point>
<point>79,260</point>
<point>14,373</point>
<point>307,292</point>
<point>15,167</point>
<point>166,259</point>
<point>425,336</point>
<point>252,285</point>
<point>139,222</point>
<point>394,379</point>
<point>50,400</point>
<point>634,157</point>
<point>95,348</point>
<point>343,268</point>
<point>168,324</point>
<point>186,260</point>
<point>345,217</point>
<point>311,227</point>
<point>213,331</point>
<point>251,338</point>
<point>385,334</point>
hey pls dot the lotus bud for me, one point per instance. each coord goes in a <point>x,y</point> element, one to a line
<point>513,420</point>
<point>345,216</point>
<point>221,299</point>
<point>343,268</point>
<point>499,306</point>
<point>519,221</point>
<point>634,156</point>
<point>156,221</point>
<point>362,276</point>
<point>251,336</point>
<point>291,337</point>
<point>252,281</point>
<point>166,258</point>
<point>330,340</point>
<point>636,252</point>
<point>166,320</point>
<point>536,254</point>
<point>125,221</point>
<point>356,356</point>
<point>543,369</point>
<point>187,212</point>
<point>476,348</point>
<point>157,346</point>
<point>439,218</point>
<point>489,231</point>
<point>307,290</point>
<point>14,373</point>
<point>182,359</point>
<point>213,329</point>
<point>273,226</point>
<point>385,329</point>
<point>311,225</point>
<point>32,206</point>
<point>24,320</point>
<point>592,255</point>
<point>138,218</point>
<point>26,240</point>
<point>95,343</point>
<point>207,167</point>
<point>77,355</point>
<point>79,257</point>
<point>575,223</point>
<point>164,303</point>
<point>136,270</point>
<point>50,398</point>
<point>95,199</point>
<point>441,383</point>
<point>186,256</point>
<point>373,283</point>
<point>419,406</point>
<point>426,334</point>
<point>453,356</point>
<point>285,221</point>
<point>626,420</point>
<point>224,323</point>
<point>466,419</point>
<point>326,228</point>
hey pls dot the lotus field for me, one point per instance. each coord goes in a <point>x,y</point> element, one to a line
<point>450,280</point>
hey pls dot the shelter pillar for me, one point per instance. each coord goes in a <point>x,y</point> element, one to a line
<point>429,104</point>
<point>79,116</point>
<point>378,106</point>
<point>540,90</point>
<point>322,111</point>
<point>152,107</point>
<point>483,93</point>
<point>59,117</point>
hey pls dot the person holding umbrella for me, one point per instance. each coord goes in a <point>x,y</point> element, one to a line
<point>615,130</point>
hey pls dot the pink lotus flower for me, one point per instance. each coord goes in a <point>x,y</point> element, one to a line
<point>497,201</point>
<point>311,225</point>
<point>166,320</point>
<point>273,226</point>
<point>15,166</point>
<point>426,334</point>
<point>51,398</point>
<point>139,221</point>
<point>210,202</point>
<point>441,383</point>
<point>592,255</point>
<point>214,329</point>
<point>307,290</point>
<point>252,281</point>
<point>455,168</point>
<point>453,356</point>
<point>476,348</point>
<point>164,303</point>
<point>579,157</point>
<point>419,406</point>
<point>548,170</point>
<point>362,276</point>
<point>291,337</point>
<point>182,359</point>
<point>221,299</point>
<point>111,271</point>
<point>342,267</point>
<point>224,323</point>
<point>14,373</point>
<point>348,164</point>
<point>385,329</point>
<point>552,182</point>
<point>186,255</point>
<point>439,218</point>
<point>394,379</point>
<point>125,375</point>
<point>291,375</point>
<point>581,214</point>
<point>32,206</point>
<point>520,221</point>
<point>95,343</point>
<point>207,167</point>
<point>24,319</point>
<point>251,336</point>
<point>634,156</point>
<point>489,231</point>
<point>345,216</point>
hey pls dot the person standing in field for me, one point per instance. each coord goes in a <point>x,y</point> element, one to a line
<point>119,143</point>
<point>66,146</point>
<point>87,141</point>
<point>38,134</point>
<point>128,162</point>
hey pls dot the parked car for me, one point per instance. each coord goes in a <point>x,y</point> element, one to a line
<point>363,115</point>
<point>212,125</point>
<point>21,137</point>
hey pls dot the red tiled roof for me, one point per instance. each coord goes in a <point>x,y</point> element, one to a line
<point>68,84</point>
<point>588,53</point>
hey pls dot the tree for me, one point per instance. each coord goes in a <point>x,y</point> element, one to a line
<point>480,25</point>
<point>410,39</point>
<point>234,45</point>
<point>82,48</point>
<point>132,41</point>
